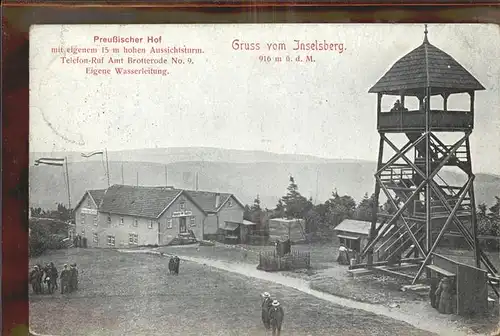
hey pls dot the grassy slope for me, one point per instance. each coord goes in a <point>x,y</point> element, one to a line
<point>131,294</point>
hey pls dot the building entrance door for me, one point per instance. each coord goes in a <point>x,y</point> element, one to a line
<point>182,225</point>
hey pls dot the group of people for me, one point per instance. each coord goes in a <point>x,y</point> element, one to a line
<point>442,295</point>
<point>79,241</point>
<point>48,275</point>
<point>346,254</point>
<point>272,313</point>
<point>173,265</point>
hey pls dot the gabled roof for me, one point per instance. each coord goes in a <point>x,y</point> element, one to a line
<point>207,199</point>
<point>96,195</point>
<point>148,202</point>
<point>426,66</point>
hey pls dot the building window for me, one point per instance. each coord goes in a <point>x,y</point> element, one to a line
<point>95,220</point>
<point>109,219</point>
<point>136,223</point>
<point>89,203</point>
<point>121,220</point>
<point>169,223</point>
<point>229,203</point>
<point>83,232</point>
<point>150,225</point>
<point>133,239</point>
<point>111,240</point>
<point>95,238</point>
<point>82,218</point>
<point>183,205</point>
<point>193,221</point>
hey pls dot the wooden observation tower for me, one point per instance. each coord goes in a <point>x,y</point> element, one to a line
<point>425,205</point>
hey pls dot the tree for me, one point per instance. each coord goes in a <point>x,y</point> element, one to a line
<point>488,222</point>
<point>340,208</point>
<point>364,210</point>
<point>280,209</point>
<point>36,212</point>
<point>62,213</point>
<point>296,205</point>
<point>495,209</point>
<point>482,210</point>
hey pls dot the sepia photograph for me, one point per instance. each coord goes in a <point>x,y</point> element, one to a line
<point>264,179</point>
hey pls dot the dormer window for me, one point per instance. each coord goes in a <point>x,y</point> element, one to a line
<point>230,203</point>
<point>183,205</point>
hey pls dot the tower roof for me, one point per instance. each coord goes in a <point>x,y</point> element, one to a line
<point>426,66</point>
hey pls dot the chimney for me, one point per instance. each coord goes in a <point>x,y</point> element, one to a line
<point>217,200</point>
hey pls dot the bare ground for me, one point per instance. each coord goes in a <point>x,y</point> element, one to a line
<point>132,294</point>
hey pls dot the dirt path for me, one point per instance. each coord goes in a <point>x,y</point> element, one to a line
<point>418,319</point>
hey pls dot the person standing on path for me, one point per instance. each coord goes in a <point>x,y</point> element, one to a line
<point>65,279</point>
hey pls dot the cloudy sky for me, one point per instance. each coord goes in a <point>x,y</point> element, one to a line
<point>231,99</point>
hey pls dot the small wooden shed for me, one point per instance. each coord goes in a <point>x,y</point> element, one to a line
<point>354,234</point>
<point>470,284</point>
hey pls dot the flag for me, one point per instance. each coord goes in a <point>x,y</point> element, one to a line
<point>92,154</point>
<point>50,161</point>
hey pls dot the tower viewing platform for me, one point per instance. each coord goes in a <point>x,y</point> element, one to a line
<point>425,67</point>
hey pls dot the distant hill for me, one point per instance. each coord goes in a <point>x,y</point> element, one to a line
<point>190,154</point>
<point>245,174</point>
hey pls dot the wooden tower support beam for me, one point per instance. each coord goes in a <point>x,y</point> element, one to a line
<point>443,229</point>
<point>426,182</point>
<point>375,205</point>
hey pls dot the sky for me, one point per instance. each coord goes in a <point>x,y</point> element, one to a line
<point>235,99</point>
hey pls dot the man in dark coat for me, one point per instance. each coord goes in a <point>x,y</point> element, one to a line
<point>65,279</point>
<point>276,316</point>
<point>177,264</point>
<point>73,278</point>
<point>266,305</point>
<point>39,278</point>
<point>53,274</point>
<point>171,265</point>
<point>34,279</point>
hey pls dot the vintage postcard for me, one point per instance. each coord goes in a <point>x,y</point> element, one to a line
<point>264,179</point>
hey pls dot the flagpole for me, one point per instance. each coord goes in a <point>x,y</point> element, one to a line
<point>67,181</point>
<point>166,176</point>
<point>107,166</point>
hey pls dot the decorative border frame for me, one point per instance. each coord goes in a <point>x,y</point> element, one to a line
<point>18,16</point>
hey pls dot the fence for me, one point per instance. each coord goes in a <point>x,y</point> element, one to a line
<point>271,261</point>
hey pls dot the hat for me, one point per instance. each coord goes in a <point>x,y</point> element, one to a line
<point>275,303</point>
<point>266,295</point>
<point>36,266</point>
<point>65,265</point>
